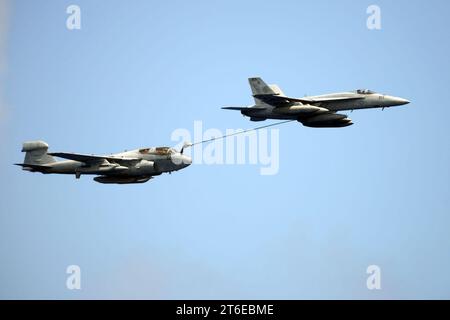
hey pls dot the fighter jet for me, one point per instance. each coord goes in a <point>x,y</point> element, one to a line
<point>312,111</point>
<point>136,166</point>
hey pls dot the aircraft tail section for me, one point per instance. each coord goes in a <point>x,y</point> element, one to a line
<point>259,87</point>
<point>36,153</point>
<point>276,89</point>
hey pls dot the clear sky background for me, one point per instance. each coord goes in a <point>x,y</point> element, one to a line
<point>373,193</point>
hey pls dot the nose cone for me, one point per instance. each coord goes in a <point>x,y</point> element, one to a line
<point>187,161</point>
<point>396,101</point>
<point>401,101</point>
<point>180,161</point>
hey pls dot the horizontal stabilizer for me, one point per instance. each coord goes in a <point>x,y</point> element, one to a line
<point>33,167</point>
<point>37,166</point>
<point>244,108</point>
<point>235,108</point>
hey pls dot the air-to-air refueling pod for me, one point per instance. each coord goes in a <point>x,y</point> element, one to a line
<point>121,180</point>
<point>327,120</point>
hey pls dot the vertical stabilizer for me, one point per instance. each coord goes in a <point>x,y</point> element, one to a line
<point>36,153</point>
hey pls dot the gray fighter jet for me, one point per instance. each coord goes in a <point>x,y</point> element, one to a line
<point>136,166</point>
<point>312,111</point>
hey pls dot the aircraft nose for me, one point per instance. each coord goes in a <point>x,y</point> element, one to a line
<point>400,101</point>
<point>181,161</point>
<point>186,160</point>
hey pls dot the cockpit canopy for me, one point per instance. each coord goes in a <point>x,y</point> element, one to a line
<point>364,91</point>
<point>158,151</point>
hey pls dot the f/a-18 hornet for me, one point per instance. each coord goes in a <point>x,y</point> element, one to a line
<point>312,111</point>
<point>136,166</point>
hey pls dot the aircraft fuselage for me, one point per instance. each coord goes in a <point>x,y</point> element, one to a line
<point>262,111</point>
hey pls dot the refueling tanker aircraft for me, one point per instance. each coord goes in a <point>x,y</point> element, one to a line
<point>312,111</point>
<point>136,166</point>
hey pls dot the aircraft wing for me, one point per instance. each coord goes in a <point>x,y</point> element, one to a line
<point>86,158</point>
<point>331,99</point>
<point>279,101</point>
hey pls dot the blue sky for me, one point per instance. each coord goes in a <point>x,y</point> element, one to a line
<point>373,193</point>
